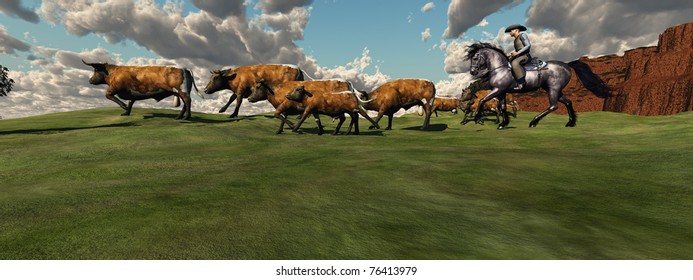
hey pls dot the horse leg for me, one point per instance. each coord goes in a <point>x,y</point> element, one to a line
<point>553,101</point>
<point>572,117</point>
<point>502,110</point>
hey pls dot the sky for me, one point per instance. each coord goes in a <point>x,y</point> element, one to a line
<point>367,42</point>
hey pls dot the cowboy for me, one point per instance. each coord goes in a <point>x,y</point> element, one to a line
<point>521,55</point>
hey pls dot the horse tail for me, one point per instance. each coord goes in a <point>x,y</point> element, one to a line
<point>590,80</point>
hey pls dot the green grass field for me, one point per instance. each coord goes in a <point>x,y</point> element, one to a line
<point>94,185</point>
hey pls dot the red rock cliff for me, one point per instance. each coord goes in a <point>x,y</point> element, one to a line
<point>645,81</point>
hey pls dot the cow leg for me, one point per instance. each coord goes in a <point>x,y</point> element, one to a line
<point>365,115</point>
<point>381,113</point>
<point>112,96</point>
<point>355,122</point>
<point>389,121</point>
<point>282,117</point>
<point>231,99</point>
<point>339,125</point>
<point>185,112</point>
<point>428,109</point>
<point>303,118</point>
<point>317,121</point>
<point>239,100</point>
<point>129,108</point>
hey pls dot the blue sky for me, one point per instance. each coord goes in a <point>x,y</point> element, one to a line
<point>42,42</point>
<point>337,33</point>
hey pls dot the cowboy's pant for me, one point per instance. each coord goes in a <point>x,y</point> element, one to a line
<point>518,69</point>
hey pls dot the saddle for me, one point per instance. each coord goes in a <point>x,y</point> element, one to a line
<point>535,64</point>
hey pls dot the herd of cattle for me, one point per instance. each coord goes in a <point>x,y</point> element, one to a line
<point>284,86</point>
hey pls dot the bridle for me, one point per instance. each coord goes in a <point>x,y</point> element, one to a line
<point>475,66</point>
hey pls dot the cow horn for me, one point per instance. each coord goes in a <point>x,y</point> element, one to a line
<point>90,64</point>
<point>361,100</point>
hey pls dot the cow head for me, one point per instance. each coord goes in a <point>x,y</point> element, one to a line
<point>99,75</point>
<point>298,94</point>
<point>219,80</point>
<point>260,92</point>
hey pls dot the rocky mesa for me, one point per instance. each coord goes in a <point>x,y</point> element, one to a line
<point>645,81</point>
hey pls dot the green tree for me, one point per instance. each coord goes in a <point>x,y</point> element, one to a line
<point>5,82</point>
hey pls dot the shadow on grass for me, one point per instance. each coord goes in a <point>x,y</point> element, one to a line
<point>193,118</point>
<point>64,129</point>
<point>342,132</point>
<point>431,127</point>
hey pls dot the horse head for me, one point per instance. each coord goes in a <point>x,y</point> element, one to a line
<point>484,57</point>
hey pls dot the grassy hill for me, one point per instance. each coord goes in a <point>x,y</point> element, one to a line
<point>94,185</point>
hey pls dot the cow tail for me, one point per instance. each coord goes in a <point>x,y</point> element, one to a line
<point>189,81</point>
<point>299,75</point>
<point>304,75</point>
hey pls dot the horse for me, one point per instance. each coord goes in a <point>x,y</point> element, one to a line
<point>489,62</point>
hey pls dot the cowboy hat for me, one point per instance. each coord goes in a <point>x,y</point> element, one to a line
<point>515,26</point>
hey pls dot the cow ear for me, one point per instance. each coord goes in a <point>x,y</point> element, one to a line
<point>233,76</point>
<point>308,93</point>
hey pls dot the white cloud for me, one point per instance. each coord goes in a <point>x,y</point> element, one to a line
<point>455,57</point>
<point>426,34</point>
<point>428,7</point>
<point>483,23</point>
<point>464,14</point>
<point>454,85</point>
<point>566,30</point>
<point>9,44</point>
<point>354,71</point>
<point>14,8</point>
<point>234,40</point>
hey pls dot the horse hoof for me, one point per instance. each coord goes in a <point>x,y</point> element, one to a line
<point>570,124</point>
<point>232,116</point>
<point>532,125</point>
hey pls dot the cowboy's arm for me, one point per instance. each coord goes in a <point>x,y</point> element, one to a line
<point>525,41</point>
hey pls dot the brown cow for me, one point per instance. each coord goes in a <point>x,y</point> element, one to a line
<point>445,104</point>
<point>471,102</point>
<point>242,79</point>
<point>143,82</point>
<point>403,93</point>
<point>332,104</point>
<point>276,96</point>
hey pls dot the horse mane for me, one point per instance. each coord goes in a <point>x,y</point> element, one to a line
<point>476,47</point>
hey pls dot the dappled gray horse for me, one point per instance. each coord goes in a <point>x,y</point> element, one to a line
<point>489,62</point>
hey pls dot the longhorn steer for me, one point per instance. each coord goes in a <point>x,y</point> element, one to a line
<point>143,82</point>
<point>242,79</point>
<point>283,107</point>
<point>403,93</point>
<point>446,104</point>
<point>331,104</point>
